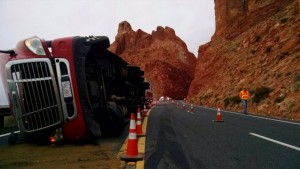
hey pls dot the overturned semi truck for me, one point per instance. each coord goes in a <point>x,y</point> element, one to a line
<point>70,88</point>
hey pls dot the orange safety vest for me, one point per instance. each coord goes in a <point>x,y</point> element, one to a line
<point>244,95</point>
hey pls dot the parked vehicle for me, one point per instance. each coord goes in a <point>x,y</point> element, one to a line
<point>70,88</point>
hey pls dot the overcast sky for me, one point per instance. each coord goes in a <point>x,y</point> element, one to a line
<point>192,20</point>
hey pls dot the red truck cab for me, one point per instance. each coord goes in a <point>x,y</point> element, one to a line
<point>70,88</point>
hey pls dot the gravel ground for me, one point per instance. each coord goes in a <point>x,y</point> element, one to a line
<point>101,154</point>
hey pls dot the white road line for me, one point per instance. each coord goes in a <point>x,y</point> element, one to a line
<point>265,118</point>
<point>275,141</point>
<point>190,112</point>
<point>7,134</point>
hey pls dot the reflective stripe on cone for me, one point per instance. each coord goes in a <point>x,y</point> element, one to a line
<point>132,147</point>
<point>219,116</point>
<point>139,130</point>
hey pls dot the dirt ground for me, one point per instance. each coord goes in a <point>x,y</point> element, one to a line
<point>101,154</point>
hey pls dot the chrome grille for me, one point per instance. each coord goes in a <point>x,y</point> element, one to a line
<point>34,94</point>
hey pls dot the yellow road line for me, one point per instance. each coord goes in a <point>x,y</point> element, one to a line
<point>141,145</point>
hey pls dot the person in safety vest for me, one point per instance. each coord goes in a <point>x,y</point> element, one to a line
<point>244,95</point>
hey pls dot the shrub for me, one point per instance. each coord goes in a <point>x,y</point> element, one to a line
<point>268,49</point>
<point>288,73</point>
<point>290,106</point>
<point>251,92</point>
<point>226,102</point>
<point>257,38</point>
<point>279,99</point>
<point>235,100</point>
<point>283,19</point>
<point>297,78</point>
<point>261,93</point>
<point>231,100</point>
<point>296,84</point>
<point>278,75</point>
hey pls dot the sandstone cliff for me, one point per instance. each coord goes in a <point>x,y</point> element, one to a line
<point>168,65</point>
<point>256,43</point>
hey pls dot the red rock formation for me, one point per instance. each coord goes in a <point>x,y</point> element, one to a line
<point>257,43</point>
<point>168,65</point>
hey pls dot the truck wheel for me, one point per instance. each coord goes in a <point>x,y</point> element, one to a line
<point>13,137</point>
<point>117,119</point>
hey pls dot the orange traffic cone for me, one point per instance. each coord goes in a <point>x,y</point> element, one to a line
<point>132,147</point>
<point>219,117</point>
<point>144,111</point>
<point>139,130</point>
<point>192,109</point>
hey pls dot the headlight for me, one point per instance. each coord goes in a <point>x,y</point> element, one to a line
<point>35,46</point>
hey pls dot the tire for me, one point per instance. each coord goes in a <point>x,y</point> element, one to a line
<point>145,85</point>
<point>116,126</point>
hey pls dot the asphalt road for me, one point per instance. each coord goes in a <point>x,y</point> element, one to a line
<point>180,139</point>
